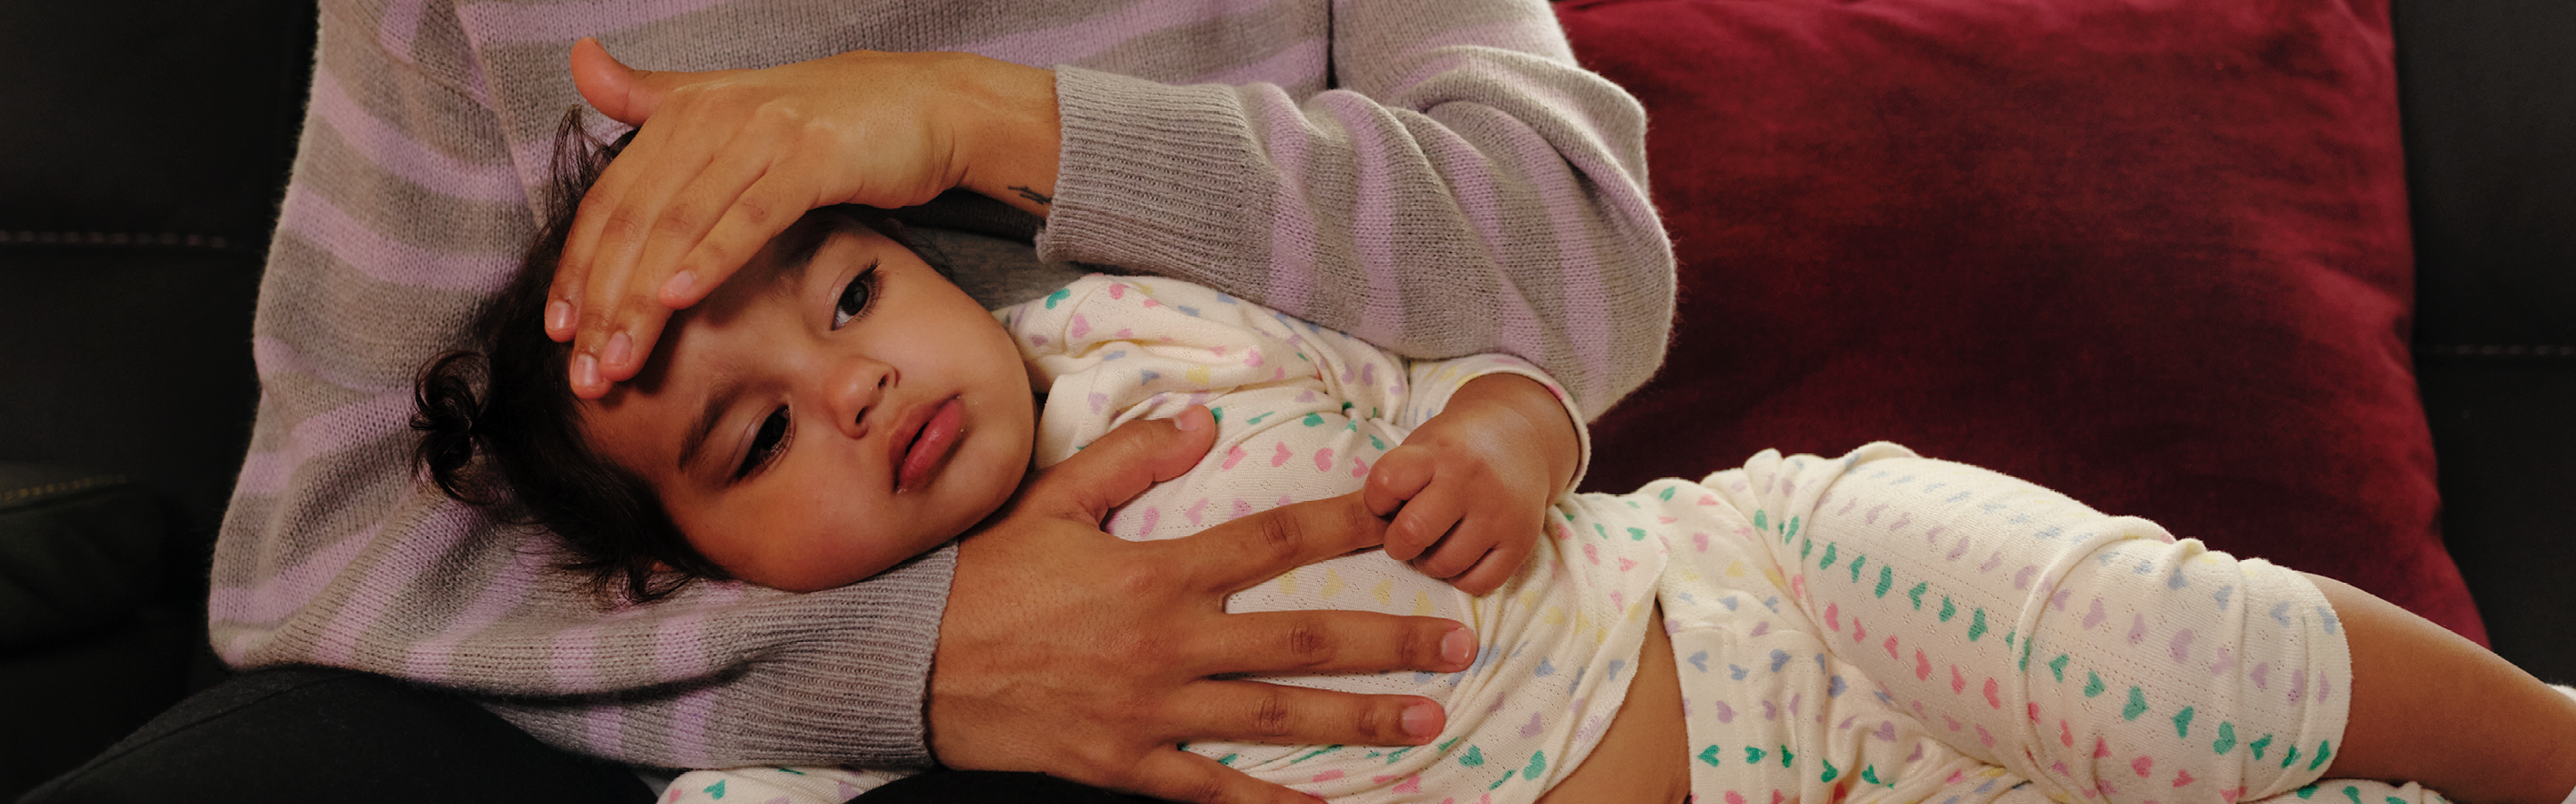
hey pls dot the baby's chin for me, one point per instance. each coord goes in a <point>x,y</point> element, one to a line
<point>1004,485</point>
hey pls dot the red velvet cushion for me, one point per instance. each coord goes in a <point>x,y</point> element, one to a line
<point>2151,253</point>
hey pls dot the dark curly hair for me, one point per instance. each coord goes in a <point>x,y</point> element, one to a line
<point>515,446</point>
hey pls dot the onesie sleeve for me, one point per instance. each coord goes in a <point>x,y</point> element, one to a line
<point>1435,381</point>
<point>1108,350</point>
<point>1463,187</point>
<point>406,209</point>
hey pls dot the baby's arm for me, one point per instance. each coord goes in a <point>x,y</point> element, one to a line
<point>1485,456</point>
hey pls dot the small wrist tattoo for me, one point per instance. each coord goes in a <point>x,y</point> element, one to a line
<point>1035,196</point>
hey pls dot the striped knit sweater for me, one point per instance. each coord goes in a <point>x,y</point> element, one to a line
<point>1437,177</point>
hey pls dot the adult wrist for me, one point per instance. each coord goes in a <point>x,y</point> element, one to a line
<point>1010,133</point>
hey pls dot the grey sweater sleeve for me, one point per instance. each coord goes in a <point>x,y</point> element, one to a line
<point>1461,187</point>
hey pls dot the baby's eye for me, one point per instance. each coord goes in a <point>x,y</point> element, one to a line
<point>855,298</point>
<point>764,444</point>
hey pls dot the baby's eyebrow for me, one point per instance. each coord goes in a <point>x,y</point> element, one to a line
<point>727,389</point>
<point>797,247</point>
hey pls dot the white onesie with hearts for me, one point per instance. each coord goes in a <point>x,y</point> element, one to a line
<point>1876,627</point>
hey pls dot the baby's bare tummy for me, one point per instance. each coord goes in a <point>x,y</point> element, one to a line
<point>1645,754</point>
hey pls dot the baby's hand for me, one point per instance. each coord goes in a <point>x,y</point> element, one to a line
<point>1473,484</point>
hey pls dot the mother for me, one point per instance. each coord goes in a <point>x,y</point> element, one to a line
<point>1437,177</point>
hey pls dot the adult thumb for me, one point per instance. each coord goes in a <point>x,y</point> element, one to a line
<point>609,85</point>
<point>626,94</point>
<point>1121,465</point>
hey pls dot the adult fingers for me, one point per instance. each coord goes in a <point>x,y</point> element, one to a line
<point>1184,776</point>
<point>1119,466</point>
<point>1262,712</point>
<point>759,212</point>
<point>1322,641</point>
<point>1243,552</point>
<point>609,235</point>
<point>745,164</point>
<point>629,96</point>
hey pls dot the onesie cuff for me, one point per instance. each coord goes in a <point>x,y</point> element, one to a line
<point>1435,382</point>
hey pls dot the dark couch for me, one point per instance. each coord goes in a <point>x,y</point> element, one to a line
<point>143,146</point>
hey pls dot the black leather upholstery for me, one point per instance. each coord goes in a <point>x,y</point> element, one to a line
<point>2488,89</point>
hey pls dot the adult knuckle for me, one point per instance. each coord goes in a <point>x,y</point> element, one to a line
<point>1307,643</point>
<point>680,217</point>
<point>782,117</point>
<point>1380,721</point>
<point>712,256</point>
<point>755,211</point>
<point>1276,535</point>
<point>1271,715</point>
<point>622,224</point>
<point>639,305</point>
<point>596,317</point>
<point>1140,580</point>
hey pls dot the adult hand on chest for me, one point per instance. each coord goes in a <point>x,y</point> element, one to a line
<point>1066,650</point>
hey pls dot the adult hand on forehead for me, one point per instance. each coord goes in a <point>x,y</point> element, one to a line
<point>1066,650</point>
<point>724,160</point>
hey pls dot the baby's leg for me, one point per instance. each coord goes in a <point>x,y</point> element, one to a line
<point>2088,653</point>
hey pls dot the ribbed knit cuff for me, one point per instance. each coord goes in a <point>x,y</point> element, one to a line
<point>1150,175</point>
<point>862,678</point>
<point>828,678</point>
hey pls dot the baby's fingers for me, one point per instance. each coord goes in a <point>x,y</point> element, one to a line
<point>1425,521</point>
<point>1495,566</point>
<point>1399,475</point>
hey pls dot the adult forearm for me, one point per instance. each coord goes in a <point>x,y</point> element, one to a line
<point>1464,191</point>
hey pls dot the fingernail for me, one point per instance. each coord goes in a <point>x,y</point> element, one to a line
<point>1187,422</point>
<point>558,315</point>
<point>620,350</point>
<point>1422,721</point>
<point>679,286</point>
<point>585,371</point>
<point>1458,647</point>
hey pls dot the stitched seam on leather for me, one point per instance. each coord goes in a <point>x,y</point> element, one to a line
<point>29,493</point>
<point>2495,350</point>
<point>146,239</point>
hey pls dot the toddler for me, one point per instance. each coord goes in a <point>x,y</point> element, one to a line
<point>1874,627</point>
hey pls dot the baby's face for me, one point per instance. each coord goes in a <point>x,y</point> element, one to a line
<point>810,428</point>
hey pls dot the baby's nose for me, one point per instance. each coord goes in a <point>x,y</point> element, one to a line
<point>858,388</point>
